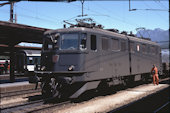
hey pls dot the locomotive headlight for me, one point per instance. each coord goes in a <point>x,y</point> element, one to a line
<point>42,68</point>
<point>25,66</point>
<point>71,68</point>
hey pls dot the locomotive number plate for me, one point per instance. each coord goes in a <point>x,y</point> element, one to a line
<point>55,58</point>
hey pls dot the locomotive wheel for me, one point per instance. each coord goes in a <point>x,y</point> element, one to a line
<point>45,90</point>
<point>55,87</point>
<point>51,89</point>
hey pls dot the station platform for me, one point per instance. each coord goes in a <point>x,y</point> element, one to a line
<point>105,104</point>
<point>16,86</point>
<point>5,78</point>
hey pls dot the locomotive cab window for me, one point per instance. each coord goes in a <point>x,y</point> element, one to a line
<point>83,40</point>
<point>93,42</point>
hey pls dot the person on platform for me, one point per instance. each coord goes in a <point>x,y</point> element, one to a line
<point>154,73</point>
<point>6,66</point>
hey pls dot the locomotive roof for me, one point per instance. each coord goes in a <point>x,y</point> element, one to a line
<point>101,32</point>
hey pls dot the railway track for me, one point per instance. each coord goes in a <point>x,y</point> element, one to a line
<point>35,103</point>
<point>31,106</point>
<point>49,107</point>
<point>17,93</point>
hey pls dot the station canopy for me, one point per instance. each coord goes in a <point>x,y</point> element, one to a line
<point>12,33</point>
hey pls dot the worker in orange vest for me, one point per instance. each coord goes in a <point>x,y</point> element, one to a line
<point>154,72</point>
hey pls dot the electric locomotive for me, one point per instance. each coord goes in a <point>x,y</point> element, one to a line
<point>77,59</point>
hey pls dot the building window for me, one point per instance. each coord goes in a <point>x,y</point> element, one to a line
<point>105,44</point>
<point>93,42</point>
<point>115,44</point>
<point>123,46</point>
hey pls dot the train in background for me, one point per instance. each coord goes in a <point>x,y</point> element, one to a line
<point>4,66</point>
<point>27,61</point>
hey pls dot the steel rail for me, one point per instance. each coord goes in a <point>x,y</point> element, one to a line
<point>17,93</point>
<point>48,107</point>
<point>33,106</point>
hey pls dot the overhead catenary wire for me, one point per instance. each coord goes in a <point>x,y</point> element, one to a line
<point>111,17</point>
<point>154,10</point>
<point>44,15</point>
<point>151,9</point>
<point>127,21</point>
<point>27,16</point>
<point>160,4</point>
<point>62,21</point>
<point>22,15</point>
<point>99,13</point>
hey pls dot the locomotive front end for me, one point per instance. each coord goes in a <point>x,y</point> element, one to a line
<point>62,52</point>
<point>62,63</point>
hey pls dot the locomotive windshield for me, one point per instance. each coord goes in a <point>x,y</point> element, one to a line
<point>69,41</point>
<point>65,41</point>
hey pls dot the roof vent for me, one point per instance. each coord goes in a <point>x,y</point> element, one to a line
<point>146,38</point>
<point>131,34</point>
<point>124,32</point>
<point>113,30</point>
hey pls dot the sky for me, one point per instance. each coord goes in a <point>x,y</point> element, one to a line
<point>111,14</point>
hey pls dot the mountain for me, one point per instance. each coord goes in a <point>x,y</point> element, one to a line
<point>158,35</point>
